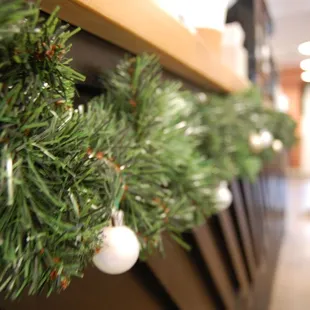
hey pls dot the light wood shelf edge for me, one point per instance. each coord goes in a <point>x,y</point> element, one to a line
<point>140,26</point>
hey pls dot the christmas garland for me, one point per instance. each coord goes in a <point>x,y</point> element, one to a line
<point>145,147</point>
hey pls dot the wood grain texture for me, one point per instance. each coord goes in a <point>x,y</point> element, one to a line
<point>258,205</point>
<point>141,26</point>
<point>244,228</point>
<point>212,258</point>
<point>234,250</point>
<point>180,278</point>
<point>254,221</point>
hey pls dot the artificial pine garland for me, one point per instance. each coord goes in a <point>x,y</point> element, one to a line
<point>145,146</point>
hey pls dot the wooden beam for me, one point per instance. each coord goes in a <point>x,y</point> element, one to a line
<point>234,250</point>
<point>254,221</point>
<point>239,209</point>
<point>141,26</point>
<point>180,277</point>
<point>215,263</point>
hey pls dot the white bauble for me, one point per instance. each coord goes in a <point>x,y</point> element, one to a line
<point>277,145</point>
<point>119,252</point>
<point>255,142</point>
<point>266,138</point>
<point>202,97</point>
<point>223,196</point>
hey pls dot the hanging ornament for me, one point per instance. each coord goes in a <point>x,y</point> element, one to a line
<point>266,138</point>
<point>120,247</point>
<point>255,142</point>
<point>223,196</point>
<point>277,145</point>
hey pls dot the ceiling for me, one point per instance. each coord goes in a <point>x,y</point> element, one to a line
<point>291,27</point>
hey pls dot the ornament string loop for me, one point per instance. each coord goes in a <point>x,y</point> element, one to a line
<point>117,217</point>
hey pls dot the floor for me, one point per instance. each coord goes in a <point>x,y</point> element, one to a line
<point>292,280</point>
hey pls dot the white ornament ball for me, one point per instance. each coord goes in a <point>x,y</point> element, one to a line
<point>202,97</point>
<point>223,196</point>
<point>266,138</point>
<point>277,145</point>
<point>255,142</point>
<point>119,252</point>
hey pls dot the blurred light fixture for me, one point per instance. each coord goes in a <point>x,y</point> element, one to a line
<point>305,64</point>
<point>305,76</point>
<point>304,48</point>
<point>282,103</point>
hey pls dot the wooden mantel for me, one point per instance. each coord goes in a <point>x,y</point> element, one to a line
<point>141,26</point>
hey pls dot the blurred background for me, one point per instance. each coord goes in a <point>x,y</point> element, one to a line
<point>265,40</point>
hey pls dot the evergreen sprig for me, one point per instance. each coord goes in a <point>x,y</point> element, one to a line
<point>154,110</point>
<point>54,197</point>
